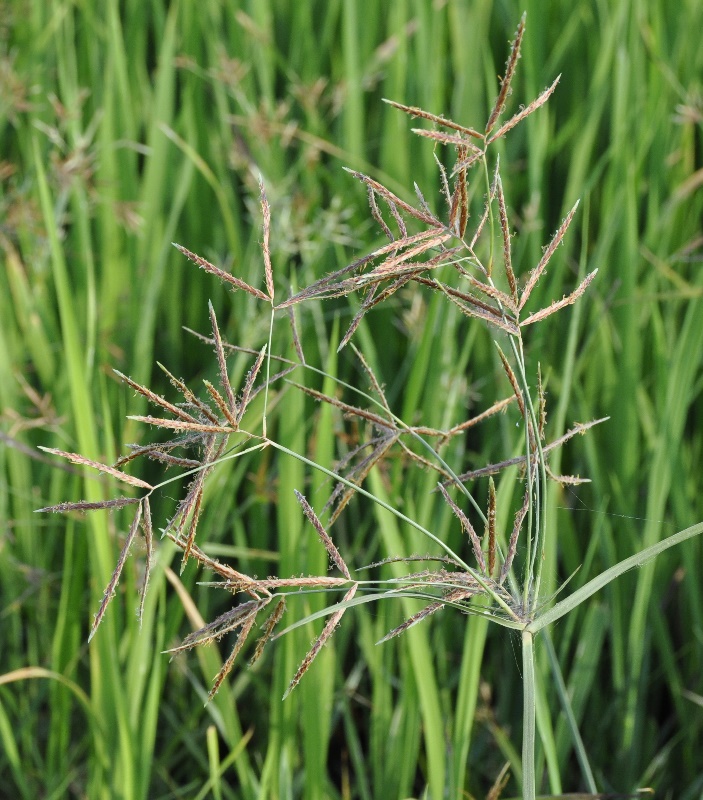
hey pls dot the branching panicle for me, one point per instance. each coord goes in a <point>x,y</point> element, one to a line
<point>449,254</point>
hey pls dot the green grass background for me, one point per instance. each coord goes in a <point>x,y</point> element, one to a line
<point>126,126</point>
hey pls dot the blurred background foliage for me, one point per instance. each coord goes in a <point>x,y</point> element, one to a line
<point>128,125</point>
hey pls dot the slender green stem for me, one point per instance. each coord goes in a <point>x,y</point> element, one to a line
<point>529,788</point>
<point>208,465</point>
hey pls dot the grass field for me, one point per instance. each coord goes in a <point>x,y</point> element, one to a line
<point>128,126</point>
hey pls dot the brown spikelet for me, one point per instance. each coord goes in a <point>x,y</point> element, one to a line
<point>275,377</point>
<point>400,222</point>
<point>452,596</point>
<point>155,398</point>
<point>513,380</point>
<point>494,293</point>
<point>114,580</point>
<point>189,397</point>
<point>376,214</point>
<point>324,536</point>
<point>194,519</point>
<point>466,163</point>
<point>86,505</point>
<point>185,506</point>
<point>203,263</point>
<point>486,209</point>
<point>536,273</point>
<point>407,242</point>
<point>294,332</point>
<point>148,532</point>
<point>388,196</point>
<point>375,385</point>
<point>567,480</point>
<point>179,425</point>
<point>272,620</point>
<point>468,527</point>
<point>191,506</point>
<point>445,181</point>
<point>354,411</point>
<point>178,520</point>
<point>265,245</point>
<point>219,401</point>
<point>507,78</point>
<point>491,517</point>
<point>329,287</point>
<point>455,139</point>
<point>225,623</point>
<point>372,299</point>
<point>319,643</point>
<point>512,545</point>
<point>318,288</point>
<point>222,362</point>
<point>76,458</point>
<point>157,452</point>
<point>473,307</point>
<point>409,559</point>
<point>396,267</point>
<point>489,412</point>
<point>459,208</point>
<point>439,120</point>
<point>423,203</point>
<point>412,620</point>
<point>249,383</point>
<point>525,112</point>
<point>361,473</point>
<point>557,305</point>
<point>463,203</point>
<point>310,582</point>
<point>492,469</point>
<point>394,261</point>
<point>229,663</point>
<point>507,256</point>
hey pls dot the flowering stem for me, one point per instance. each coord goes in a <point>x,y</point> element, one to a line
<point>528,717</point>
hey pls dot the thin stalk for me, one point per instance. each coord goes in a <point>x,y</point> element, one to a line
<point>220,460</point>
<point>529,789</point>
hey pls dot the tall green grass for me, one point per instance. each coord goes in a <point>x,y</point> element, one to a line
<point>167,145</point>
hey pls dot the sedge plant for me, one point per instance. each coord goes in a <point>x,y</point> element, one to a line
<point>465,258</point>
